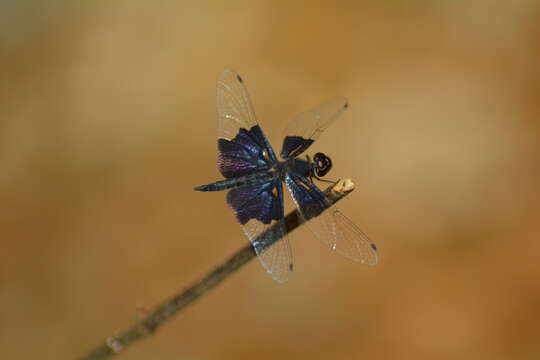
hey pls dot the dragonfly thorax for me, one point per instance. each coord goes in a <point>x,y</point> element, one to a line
<point>299,166</point>
<point>318,167</point>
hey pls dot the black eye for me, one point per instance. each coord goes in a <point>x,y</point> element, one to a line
<point>323,164</point>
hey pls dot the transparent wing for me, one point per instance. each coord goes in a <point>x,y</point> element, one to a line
<point>350,241</point>
<point>277,258</point>
<point>259,210</point>
<point>328,224</point>
<point>234,106</point>
<point>305,128</point>
<point>242,146</point>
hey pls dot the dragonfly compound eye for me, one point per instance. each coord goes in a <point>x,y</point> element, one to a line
<point>323,164</point>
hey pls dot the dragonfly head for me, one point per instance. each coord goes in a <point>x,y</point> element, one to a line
<point>321,164</point>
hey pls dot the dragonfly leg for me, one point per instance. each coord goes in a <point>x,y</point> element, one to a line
<point>324,180</point>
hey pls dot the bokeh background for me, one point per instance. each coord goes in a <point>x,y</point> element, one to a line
<point>108,121</point>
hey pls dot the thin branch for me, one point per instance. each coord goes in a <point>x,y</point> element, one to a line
<point>164,312</point>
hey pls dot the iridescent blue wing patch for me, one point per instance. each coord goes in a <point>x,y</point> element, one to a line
<point>328,224</point>
<point>306,127</point>
<point>255,202</point>
<point>244,154</point>
<point>294,146</point>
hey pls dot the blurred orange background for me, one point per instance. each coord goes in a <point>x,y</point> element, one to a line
<point>108,121</point>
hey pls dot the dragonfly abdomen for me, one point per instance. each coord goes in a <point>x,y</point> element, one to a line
<point>241,181</point>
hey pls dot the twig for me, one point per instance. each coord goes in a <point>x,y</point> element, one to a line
<point>164,312</point>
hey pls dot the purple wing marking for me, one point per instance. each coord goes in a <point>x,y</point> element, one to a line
<point>245,154</point>
<point>257,202</point>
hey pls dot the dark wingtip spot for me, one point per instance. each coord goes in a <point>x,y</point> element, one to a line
<point>373,247</point>
<point>239,78</point>
<point>346,105</point>
<point>290,267</point>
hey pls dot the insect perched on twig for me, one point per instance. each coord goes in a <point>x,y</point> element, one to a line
<point>254,177</point>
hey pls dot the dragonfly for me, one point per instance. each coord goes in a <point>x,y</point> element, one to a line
<point>254,178</point>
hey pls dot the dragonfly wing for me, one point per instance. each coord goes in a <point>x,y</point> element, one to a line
<point>328,224</point>
<point>306,127</point>
<point>259,209</point>
<point>352,242</point>
<point>234,106</point>
<point>243,147</point>
<point>276,259</point>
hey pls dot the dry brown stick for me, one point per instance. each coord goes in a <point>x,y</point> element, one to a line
<point>164,312</point>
